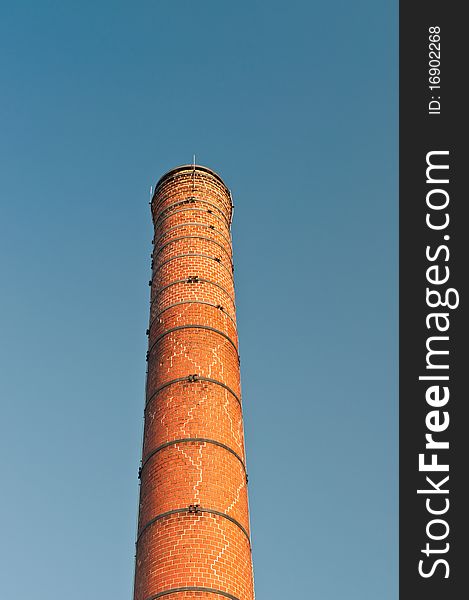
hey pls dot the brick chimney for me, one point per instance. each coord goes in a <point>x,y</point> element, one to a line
<point>193,536</point>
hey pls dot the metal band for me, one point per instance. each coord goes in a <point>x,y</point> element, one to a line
<point>190,302</point>
<point>179,327</point>
<point>179,379</point>
<point>192,589</point>
<point>175,173</point>
<point>190,200</point>
<point>217,260</point>
<point>194,237</point>
<point>167,196</point>
<point>191,169</point>
<point>198,281</point>
<point>191,225</point>
<point>188,440</point>
<point>192,208</point>
<point>200,509</point>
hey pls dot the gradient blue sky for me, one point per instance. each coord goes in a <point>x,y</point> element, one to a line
<point>295,105</point>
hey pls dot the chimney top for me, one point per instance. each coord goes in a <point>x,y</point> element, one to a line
<point>173,172</point>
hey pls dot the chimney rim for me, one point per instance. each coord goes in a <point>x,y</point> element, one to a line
<point>188,167</point>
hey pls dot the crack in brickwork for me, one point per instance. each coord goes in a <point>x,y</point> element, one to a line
<point>198,466</point>
<point>241,486</point>
<point>221,553</point>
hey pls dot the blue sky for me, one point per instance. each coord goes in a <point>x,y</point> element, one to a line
<point>295,105</point>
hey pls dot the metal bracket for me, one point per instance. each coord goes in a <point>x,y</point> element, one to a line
<point>192,378</point>
<point>194,509</point>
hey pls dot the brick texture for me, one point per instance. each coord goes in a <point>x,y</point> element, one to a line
<point>193,536</point>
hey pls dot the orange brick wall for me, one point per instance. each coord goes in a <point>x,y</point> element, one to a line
<point>193,534</point>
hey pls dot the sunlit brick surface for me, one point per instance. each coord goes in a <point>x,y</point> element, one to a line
<point>193,532</point>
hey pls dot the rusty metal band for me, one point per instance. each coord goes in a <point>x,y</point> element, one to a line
<point>189,200</point>
<point>206,211</point>
<point>199,511</point>
<point>195,224</point>
<point>217,260</point>
<point>186,379</point>
<point>193,237</point>
<point>190,302</point>
<point>179,590</point>
<point>187,441</point>
<point>193,326</point>
<point>228,206</point>
<point>161,290</point>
